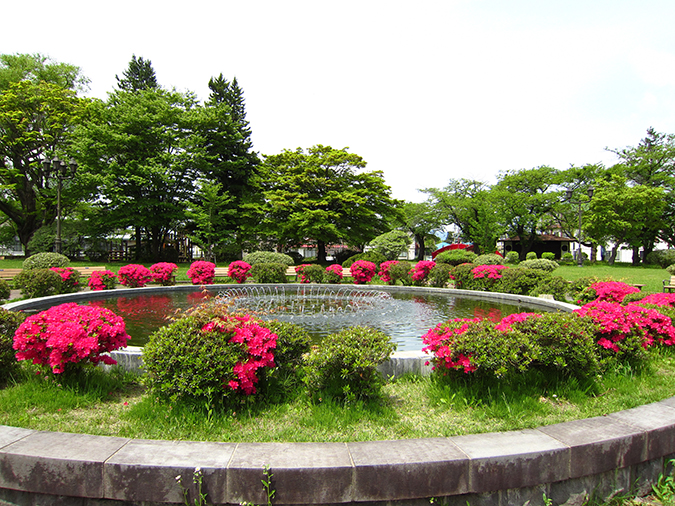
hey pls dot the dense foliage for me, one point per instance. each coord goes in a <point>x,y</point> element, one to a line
<point>345,365</point>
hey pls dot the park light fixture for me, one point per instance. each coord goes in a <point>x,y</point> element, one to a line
<point>568,197</point>
<point>63,171</point>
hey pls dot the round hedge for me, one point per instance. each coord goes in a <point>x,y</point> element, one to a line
<point>45,261</point>
<point>268,257</point>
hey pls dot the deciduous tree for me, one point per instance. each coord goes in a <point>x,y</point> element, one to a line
<point>318,196</point>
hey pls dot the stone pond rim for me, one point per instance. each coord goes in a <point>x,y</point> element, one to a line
<point>564,461</point>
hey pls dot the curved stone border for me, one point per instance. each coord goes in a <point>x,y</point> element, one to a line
<point>400,363</point>
<point>583,457</point>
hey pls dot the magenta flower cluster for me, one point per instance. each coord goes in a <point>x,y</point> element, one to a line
<point>70,334</point>
<point>102,280</point>
<point>256,341</point>
<point>68,275</point>
<point>491,271</point>
<point>421,270</point>
<point>202,273</point>
<point>300,270</point>
<point>440,339</point>
<point>384,270</point>
<point>363,271</point>
<point>334,273</point>
<point>616,323</point>
<point>134,275</point>
<point>612,291</point>
<point>164,273</point>
<point>239,271</point>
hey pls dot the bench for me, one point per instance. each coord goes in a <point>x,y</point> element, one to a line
<point>8,274</point>
<point>86,272</point>
<point>221,272</point>
<point>670,286</point>
<point>346,273</point>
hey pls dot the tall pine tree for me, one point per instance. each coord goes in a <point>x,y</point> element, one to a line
<point>139,76</point>
<point>230,158</point>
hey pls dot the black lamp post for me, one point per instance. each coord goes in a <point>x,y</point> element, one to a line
<point>63,171</point>
<point>568,197</point>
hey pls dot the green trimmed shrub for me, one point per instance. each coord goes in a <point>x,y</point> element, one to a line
<point>671,269</point>
<point>567,258</point>
<point>38,283</point>
<point>293,342</point>
<point>268,257</point>
<point>579,285</point>
<point>663,258</point>
<point>400,272</point>
<point>4,289</point>
<point>269,273</point>
<point>456,257</point>
<point>370,256</point>
<point>548,255</point>
<point>512,257</point>
<point>464,277</point>
<point>9,322</point>
<point>521,281</point>
<point>539,263</point>
<point>489,259</point>
<point>531,255</point>
<point>633,297</point>
<point>45,261</point>
<point>345,365</point>
<point>439,276</point>
<point>564,342</point>
<point>554,285</point>
<point>312,273</point>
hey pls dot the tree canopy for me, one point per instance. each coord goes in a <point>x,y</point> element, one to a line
<point>317,195</point>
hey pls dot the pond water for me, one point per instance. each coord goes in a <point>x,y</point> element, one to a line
<point>405,316</point>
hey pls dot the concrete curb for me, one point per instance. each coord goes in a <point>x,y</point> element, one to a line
<point>598,455</point>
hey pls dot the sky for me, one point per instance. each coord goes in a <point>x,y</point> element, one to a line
<point>424,91</point>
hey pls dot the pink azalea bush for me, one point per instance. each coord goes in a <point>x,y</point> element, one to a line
<point>239,271</point>
<point>202,273</point>
<point>258,343</point>
<point>363,271</point>
<point>70,334</point>
<point>489,271</point>
<point>659,299</point>
<point>506,323</point>
<point>333,274</point>
<point>300,271</point>
<point>440,341</point>
<point>102,280</point>
<point>607,291</point>
<point>420,271</point>
<point>384,271</point>
<point>134,275</point>
<point>164,273</point>
<point>627,330</point>
<point>70,279</point>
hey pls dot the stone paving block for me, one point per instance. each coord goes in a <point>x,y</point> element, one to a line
<point>600,444</point>
<point>304,473</point>
<point>657,418</point>
<point>407,469</point>
<point>9,435</point>
<point>57,463</point>
<point>503,460</point>
<point>146,470</point>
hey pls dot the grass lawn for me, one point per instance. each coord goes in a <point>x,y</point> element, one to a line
<point>651,276</point>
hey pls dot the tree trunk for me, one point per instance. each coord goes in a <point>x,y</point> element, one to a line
<point>612,256</point>
<point>421,250</point>
<point>321,252</point>
<point>594,252</point>
<point>636,255</point>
